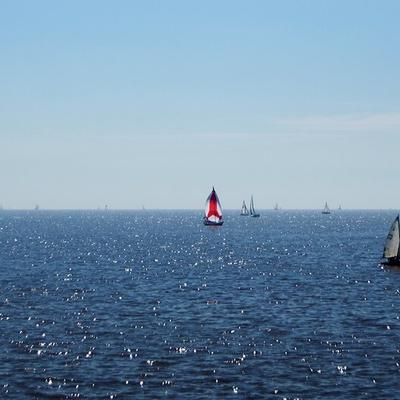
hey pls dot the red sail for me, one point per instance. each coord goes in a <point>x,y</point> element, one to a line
<point>213,206</point>
<point>213,211</point>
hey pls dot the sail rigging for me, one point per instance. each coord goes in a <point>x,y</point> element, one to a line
<point>213,210</point>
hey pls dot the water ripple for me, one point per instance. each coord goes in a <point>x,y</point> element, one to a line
<point>148,305</point>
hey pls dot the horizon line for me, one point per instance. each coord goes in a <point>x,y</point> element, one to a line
<point>192,209</point>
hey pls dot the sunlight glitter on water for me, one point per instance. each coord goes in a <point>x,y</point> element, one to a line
<point>123,305</point>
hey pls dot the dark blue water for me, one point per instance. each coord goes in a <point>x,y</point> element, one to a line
<point>155,305</point>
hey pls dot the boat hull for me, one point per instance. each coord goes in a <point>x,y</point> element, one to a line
<point>255,215</point>
<point>391,262</point>
<point>212,223</point>
<point>326,212</point>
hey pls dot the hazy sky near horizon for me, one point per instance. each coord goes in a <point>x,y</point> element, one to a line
<point>132,103</point>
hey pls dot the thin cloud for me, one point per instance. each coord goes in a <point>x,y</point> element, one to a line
<point>383,123</point>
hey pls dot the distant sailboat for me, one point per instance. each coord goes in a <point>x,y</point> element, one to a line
<point>340,207</point>
<point>244,211</point>
<point>276,207</point>
<point>252,210</point>
<point>326,209</point>
<point>213,211</point>
<point>391,249</point>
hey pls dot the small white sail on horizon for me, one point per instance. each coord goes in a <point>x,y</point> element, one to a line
<point>326,209</point>
<point>252,209</point>
<point>244,211</point>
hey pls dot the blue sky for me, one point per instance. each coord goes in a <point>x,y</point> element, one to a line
<point>151,103</point>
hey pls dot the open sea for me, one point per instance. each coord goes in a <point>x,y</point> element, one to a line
<point>152,304</point>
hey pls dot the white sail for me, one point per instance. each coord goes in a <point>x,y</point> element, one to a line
<point>244,210</point>
<point>252,210</point>
<point>326,209</point>
<point>393,240</point>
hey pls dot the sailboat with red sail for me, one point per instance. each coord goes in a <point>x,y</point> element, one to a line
<point>213,212</point>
